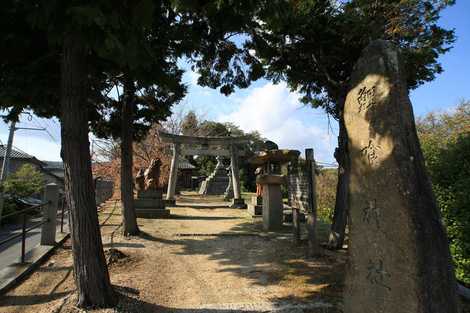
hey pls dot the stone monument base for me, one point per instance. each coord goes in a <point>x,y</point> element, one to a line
<point>149,204</point>
<point>255,208</point>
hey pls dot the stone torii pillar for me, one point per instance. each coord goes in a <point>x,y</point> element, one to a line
<point>237,202</point>
<point>170,195</point>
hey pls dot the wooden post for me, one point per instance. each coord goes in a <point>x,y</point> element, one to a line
<point>170,195</point>
<point>313,247</point>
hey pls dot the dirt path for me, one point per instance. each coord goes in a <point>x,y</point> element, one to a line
<point>203,259</point>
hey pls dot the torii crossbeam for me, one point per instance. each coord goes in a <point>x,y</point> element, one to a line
<point>208,144</point>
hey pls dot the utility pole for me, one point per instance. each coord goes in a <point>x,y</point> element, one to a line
<point>6,156</point>
<point>6,164</point>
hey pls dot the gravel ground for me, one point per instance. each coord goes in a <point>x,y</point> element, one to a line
<point>203,259</point>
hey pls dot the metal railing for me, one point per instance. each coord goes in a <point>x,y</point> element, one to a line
<point>24,213</point>
<point>24,228</point>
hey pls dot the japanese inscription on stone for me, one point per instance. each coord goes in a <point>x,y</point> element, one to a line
<point>366,98</point>
<point>371,213</point>
<point>371,152</point>
<point>377,275</point>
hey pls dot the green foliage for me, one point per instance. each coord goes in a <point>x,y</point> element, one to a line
<point>445,141</point>
<point>313,45</point>
<point>25,182</point>
<point>326,194</point>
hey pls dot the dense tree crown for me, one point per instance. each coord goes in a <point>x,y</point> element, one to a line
<point>314,44</point>
<point>445,140</point>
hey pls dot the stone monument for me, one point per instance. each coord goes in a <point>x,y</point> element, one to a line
<point>149,202</point>
<point>271,181</point>
<point>217,182</point>
<point>399,253</point>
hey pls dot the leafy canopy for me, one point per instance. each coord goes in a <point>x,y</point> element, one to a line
<point>445,141</point>
<point>314,44</point>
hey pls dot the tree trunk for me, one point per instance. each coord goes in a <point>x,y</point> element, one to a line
<point>90,270</point>
<point>129,218</point>
<point>340,216</point>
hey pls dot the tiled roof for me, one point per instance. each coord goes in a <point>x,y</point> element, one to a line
<point>15,154</point>
<point>183,164</point>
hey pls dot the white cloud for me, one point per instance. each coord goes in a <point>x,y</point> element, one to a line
<point>277,114</point>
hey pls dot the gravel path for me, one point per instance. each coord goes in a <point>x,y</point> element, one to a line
<point>204,259</point>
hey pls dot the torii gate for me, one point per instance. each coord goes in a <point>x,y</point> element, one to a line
<point>206,143</point>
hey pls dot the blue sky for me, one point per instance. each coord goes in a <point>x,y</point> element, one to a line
<point>276,113</point>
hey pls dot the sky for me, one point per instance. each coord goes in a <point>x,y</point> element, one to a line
<point>276,113</point>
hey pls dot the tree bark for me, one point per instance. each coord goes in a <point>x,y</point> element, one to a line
<point>340,217</point>
<point>90,270</point>
<point>129,218</point>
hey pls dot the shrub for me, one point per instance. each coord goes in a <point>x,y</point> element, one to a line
<point>25,182</point>
<point>445,141</point>
<point>326,194</point>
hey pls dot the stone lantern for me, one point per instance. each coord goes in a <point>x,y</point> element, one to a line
<point>271,180</point>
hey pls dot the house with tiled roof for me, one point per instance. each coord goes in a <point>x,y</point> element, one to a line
<point>53,171</point>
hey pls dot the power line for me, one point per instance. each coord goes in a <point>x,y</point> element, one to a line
<point>40,123</point>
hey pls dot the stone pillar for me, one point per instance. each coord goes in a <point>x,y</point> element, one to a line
<point>170,195</point>
<point>398,248</point>
<point>238,202</point>
<point>272,200</point>
<point>48,230</point>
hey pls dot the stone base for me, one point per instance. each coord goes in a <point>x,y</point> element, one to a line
<point>255,210</point>
<point>238,204</point>
<point>150,194</point>
<point>149,204</point>
<point>272,206</point>
<point>152,213</point>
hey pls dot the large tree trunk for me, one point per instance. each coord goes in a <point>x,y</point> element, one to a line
<point>129,219</point>
<point>340,217</point>
<point>90,270</point>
